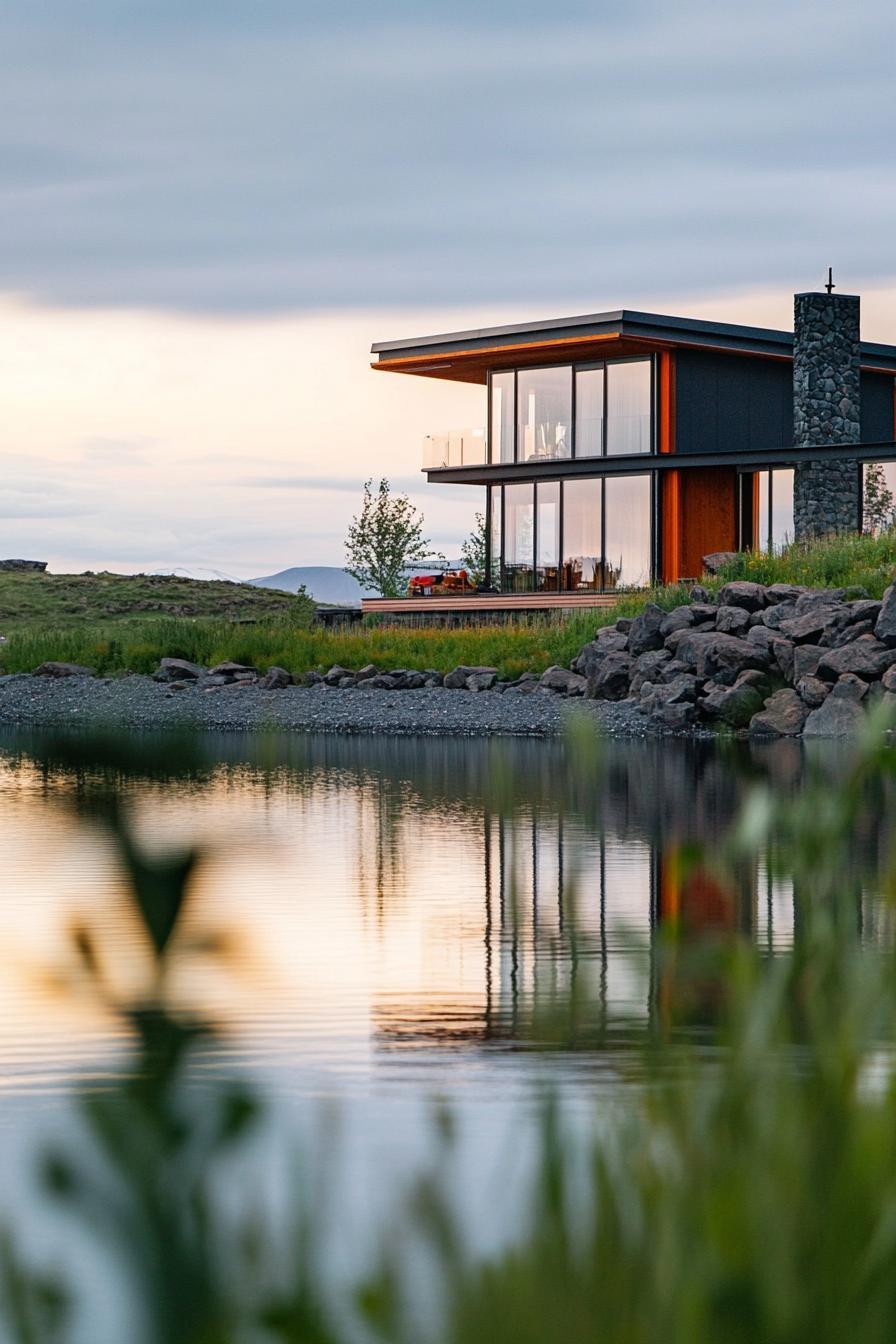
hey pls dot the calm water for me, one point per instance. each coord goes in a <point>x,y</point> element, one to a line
<point>391,907</point>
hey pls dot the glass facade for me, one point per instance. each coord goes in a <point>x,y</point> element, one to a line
<point>544,413</point>
<point>588,534</point>
<point>774,523</point>
<point>562,411</point>
<point>502,417</point>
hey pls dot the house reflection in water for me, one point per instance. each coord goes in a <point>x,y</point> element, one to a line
<point>606,900</point>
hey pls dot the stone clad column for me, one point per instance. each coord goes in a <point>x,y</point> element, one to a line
<point>827,496</point>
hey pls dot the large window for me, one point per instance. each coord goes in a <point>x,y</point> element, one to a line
<point>590,412</point>
<point>532,416</point>
<point>775,523</point>
<point>627,545</point>
<point>519,537</point>
<point>544,413</point>
<point>501,435</point>
<point>629,424</point>
<point>494,539</point>
<point>583,565</point>
<point>547,533</point>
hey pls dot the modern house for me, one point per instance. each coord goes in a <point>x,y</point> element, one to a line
<point>622,447</point>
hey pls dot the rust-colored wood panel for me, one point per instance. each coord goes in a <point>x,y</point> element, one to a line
<point>707,516</point>
<point>472,366</point>
<point>670,485</point>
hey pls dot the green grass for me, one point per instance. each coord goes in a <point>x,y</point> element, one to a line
<point>116,623</point>
<point>65,601</point>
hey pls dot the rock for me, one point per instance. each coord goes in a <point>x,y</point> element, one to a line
<point>700,594</point>
<point>704,612</point>
<point>677,716</point>
<point>592,655</point>
<point>732,620</point>
<point>647,668</point>
<point>312,679</point>
<point>812,691</point>
<point>742,593</point>
<point>818,597</point>
<point>811,626</point>
<point>645,632</point>
<point>177,669</point>
<point>562,680</point>
<point>850,687</point>
<point>760,681</point>
<point>52,669</point>
<point>708,652</point>
<point>275,679</point>
<point>484,680</point>
<point>680,618</point>
<point>458,677</point>
<point>783,716</point>
<point>885,625</point>
<point>866,657</point>
<point>234,670</point>
<point>415,681</point>
<point>717,560</point>
<point>26,566</point>
<point>839,716</point>
<point>806,658</point>
<point>783,592</point>
<point>782,651</point>
<point>365,673</point>
<point>381,682</point>
<point>773,616</point>
<point>734,705</point>
<point>611,679</point>
<point>624,624</point>
<point>888,680</point>
<point>345,683</point>
<point>849,632</point>
<point>333,677</point>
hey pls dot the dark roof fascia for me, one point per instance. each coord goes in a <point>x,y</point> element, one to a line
<point>759,459</point>
<point>649,327</point>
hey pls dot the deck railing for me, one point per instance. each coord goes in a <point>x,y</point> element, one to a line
<point>454,448</point>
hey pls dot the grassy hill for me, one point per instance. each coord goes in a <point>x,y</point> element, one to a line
<point>65,600</point>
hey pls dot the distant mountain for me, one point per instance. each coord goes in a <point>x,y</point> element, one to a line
<point>325,583</point>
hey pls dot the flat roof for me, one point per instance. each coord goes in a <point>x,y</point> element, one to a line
<point>623,323</point>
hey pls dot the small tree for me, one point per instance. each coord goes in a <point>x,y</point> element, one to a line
<point>472,552</point>
<point>385,540</point>
<point>878,510</point>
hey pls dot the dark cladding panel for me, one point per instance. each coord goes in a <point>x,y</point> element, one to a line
<point>877,407</point>
<point>730,403</point>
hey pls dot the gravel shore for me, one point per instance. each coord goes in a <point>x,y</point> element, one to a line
<point>140,703</point>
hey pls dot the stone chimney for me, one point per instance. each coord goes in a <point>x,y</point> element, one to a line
<point>827,496</point>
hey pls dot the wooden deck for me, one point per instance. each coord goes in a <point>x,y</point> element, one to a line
<point>474,603</point>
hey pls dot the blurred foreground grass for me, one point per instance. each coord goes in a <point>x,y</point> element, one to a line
<point>742,1189</point>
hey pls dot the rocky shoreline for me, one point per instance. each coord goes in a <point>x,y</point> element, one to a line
<point>761,661</point>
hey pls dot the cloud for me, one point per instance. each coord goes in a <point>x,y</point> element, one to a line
<point>349,484</point>
<point>233,158</point>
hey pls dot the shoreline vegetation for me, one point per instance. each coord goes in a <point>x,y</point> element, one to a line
<point>115,625</point>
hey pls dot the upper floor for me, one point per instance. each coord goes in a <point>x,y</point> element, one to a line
<point>620,385</point>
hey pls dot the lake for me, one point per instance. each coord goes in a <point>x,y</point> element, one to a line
<point>385,914</point>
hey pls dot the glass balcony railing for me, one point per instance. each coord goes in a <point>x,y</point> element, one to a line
<point>454,448</point>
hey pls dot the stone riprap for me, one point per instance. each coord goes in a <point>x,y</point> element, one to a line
<point>775,661</point>
<point>826,410</point>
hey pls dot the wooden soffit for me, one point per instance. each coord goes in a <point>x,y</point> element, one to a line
<point>472,366</point>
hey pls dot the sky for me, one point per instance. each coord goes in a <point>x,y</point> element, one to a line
<point>211,208</point>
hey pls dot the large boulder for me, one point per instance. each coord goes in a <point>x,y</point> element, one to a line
<point>562,680</point>
<point>865,657</point>
<point>743,593</point>
<point>813,625</point>
<point>783,716</point>
<point>458,678</point>
<point>885,626</point>
<point>717,560</point>
<point>734,705</point>
<point>679,618</point>
<point>611,679</point>
<point>783,592</point>
<point>23,566</point>
<point>732,620</point>
<point>806,658</point>
<point>841,715</point>
<point>275,679</point>
<point>52,669</point>
<point>708,652</point>
<point>812,691</point>
<point>177,669</point>
<point>773,616</point>
<point>645,633</point>
<point>648,667</point>
<point>592,654</point>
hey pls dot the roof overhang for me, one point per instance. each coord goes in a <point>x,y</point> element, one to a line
<point>467,356</point>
